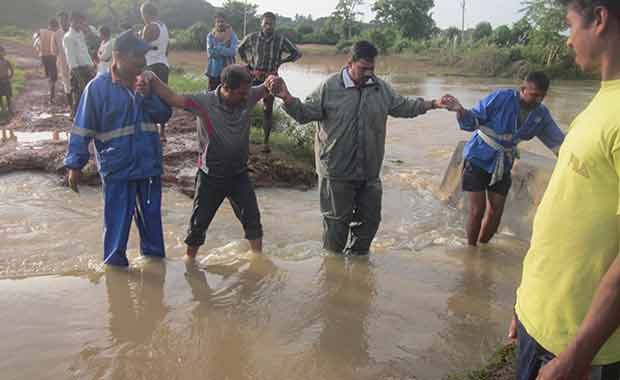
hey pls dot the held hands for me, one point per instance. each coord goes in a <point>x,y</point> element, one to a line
<point>277,87</point>
<point>450,103</point>
<point>143,84</point>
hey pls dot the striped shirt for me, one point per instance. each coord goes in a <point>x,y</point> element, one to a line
<point>265,53</point>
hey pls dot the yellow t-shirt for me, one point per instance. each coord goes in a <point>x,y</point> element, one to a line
<point>576,230</point>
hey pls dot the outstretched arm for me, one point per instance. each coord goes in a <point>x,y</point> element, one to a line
<point>401,106</point>
<point>551,135</point>
<point>161,89</point>
<point>306,112</point>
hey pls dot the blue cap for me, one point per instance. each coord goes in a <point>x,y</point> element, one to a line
<point>128,43</point>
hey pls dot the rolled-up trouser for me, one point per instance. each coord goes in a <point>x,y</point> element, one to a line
<point>123,200</point>
<point>80,76</point>
<point>209,194</point>
<point>351,214</point>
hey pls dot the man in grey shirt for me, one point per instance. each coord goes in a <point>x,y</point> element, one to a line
<point>352,108</point>
<point>223,118</point>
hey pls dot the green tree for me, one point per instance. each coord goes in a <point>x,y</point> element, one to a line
<point>452,33</point>
<point>521,31</point>
<point>344,15</point>
<point>413,18</point>
<point>502,36</point>
<point>547,17</point>
<point>234,12</point>
<point>483,30</point>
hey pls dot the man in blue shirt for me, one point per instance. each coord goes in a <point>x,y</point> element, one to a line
<point>221,47</point>
<point>500,122</point>
<point>123,123</point>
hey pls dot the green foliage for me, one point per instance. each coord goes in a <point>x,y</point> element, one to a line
<point>13,33</point>
<point>344,16</point>
<point>292,34</point>
<point>412,17</point>
<point>194,38</point>
<point>382,38</point>
<point>502,36</point>
<point>25,13</point>
<point>303,29</point>
<point>234,12</point>
<point>520,33</point>
<point>482,30</point>
<point>185,83</point>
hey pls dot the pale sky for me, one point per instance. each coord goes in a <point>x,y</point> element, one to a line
<point>446,12</point>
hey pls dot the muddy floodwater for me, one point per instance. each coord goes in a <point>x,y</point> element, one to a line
<point>422,305</point>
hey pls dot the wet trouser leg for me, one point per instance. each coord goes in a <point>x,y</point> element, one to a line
<point>148,217</point>
<point>120,200</point>
<point>337,202</point>
<point>366,217</point>
<point>119,205</point>
<point>209,194</point>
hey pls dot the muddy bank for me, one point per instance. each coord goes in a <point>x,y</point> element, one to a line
<point>36,118</point>
<point>501,366</point>
<point>530,176</point>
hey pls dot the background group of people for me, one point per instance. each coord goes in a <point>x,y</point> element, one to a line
<point>74,52</point>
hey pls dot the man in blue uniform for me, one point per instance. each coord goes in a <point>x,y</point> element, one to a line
<point>500,122</point>
<point>123,123</point>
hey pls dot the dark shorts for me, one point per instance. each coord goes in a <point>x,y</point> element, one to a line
<point>209,194</point>
<point>162,71</point>
<point>5,88</point>
<point>532,357</point>
<point>49,64</point>
<point>477,180</point>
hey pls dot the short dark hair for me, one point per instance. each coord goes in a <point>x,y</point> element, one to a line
<point>363,50</point>
<point>62,14</point>
<point>235,75</point>
<point>219,15</point>
<point>269,15</point>
<point>150,9</point>
<point>540,80</point>
<point>586,7</point>
<point>105,31</point>
<point>53,23</point>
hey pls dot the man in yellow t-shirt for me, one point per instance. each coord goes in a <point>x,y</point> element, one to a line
<point>568,303</point>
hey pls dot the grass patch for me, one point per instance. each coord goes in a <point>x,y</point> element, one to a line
<point>186,83</point>
<point>501,366</point>
<point>19,80</point>
<point>15,34</point>
<point>285,143</point>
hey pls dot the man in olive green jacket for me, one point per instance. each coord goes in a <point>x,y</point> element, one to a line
<point>352,108</point>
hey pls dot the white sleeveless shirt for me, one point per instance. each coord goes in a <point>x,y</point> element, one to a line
<point>159,55</point>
